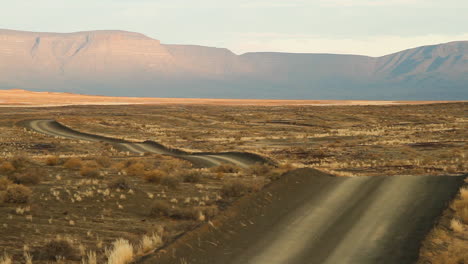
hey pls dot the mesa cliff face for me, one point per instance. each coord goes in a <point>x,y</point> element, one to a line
<point>131,64</point>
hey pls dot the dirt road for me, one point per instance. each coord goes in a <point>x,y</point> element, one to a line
<point>309,218</point>
<point>200,159</point>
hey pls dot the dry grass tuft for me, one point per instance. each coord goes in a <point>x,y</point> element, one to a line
<point>121,252</point>
<point>90,258</point>
<point>6,167</point>
<point>149,243</point>
<point>171,181</point>
<point>259,169</point>
<point>4,183</point>
<point>456,226</point>
<point>160,208</point>
<point>120,183</point>
<point>17,193</point>
<point>154,176</point>
<point>136,169</point>
<point>73,163</point>
<point>163,208</point>
<point>6,259</point>
<point>192,176</point>
<point>52,161</point>
<point>226,168</point>
<point>59,247</point>
<point>104,161</point>
<point>29,177</point>
<point>235,188</point>
<point>89,171</point>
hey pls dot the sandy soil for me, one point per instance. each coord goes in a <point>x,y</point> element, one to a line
<point>21,98</point>
<point>311,217</point>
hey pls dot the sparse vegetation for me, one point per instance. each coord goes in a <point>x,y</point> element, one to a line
<point>73,163</point>
<point>58,248</point>
<point>52,161</point>
<point>154,176</point>
<point>17,193</point>
<point>343,140</point>
<point>120,253</point>
<point>235,188</point>
<point>171,181</point>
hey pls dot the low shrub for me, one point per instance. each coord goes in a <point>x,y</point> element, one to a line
<point>163,208</point>
<point>136,169</point>
<point>104,161</point>
<point>160,208</point>
<point>58,247</point>
<point>226,168</point>
<point>120,183</point>
<point>154,176</point>
<point>235,188</point>
<point>73,163</point>
<point>259,169</point>
<point>17,193</point>
<point>171,181</point>
<point>20,162</point>
<point>89,171</point>
<point>6,167</point>
<point>184,213</point>
<point>210,212</point>
<point>192,176</point>
<point>4,183</point>
<point>52,161</point>
<point>121,252</point>
<point>29,177</point>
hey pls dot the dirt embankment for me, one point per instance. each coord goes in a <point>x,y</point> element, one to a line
<point>311,217</point>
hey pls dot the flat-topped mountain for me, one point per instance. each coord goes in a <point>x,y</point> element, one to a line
<point>131,64</point>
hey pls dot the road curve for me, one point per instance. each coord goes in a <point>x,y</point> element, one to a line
<point>199,159</point>
<point>308,217</point>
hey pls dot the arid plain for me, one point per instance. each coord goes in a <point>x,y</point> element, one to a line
<point>76,197</point>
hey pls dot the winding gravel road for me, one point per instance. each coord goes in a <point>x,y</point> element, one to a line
<point>200,159</point>
<point>309,217</point>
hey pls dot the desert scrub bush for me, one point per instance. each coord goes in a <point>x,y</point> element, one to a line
<point>174,165</point>
<point>6,259</point>
<point>226,168</point>
<point>58,248</point>
<point>52,161</point>
<point>89,171</point>
<point>136,169</point>
<point>4,183</point>
<point>20,161</point>
<point>154,176</point>
<point>28,177</point>
<point>163,208</point>
<point>73,163</point>
<point>104,161</point>
<point>192,176</point>
<point>120,183</point>
<point>149,243</point>
<point>259,169</point>
<point>160,208</point>
<point>120,253</point>
<point>171,181</point>
<point>17,193</point>
<point>235,188</point>
<point>6,167</point>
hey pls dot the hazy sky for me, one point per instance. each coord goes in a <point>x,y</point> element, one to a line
<point>368,27</point>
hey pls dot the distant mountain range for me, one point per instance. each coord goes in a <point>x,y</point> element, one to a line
<point>119,63</point>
